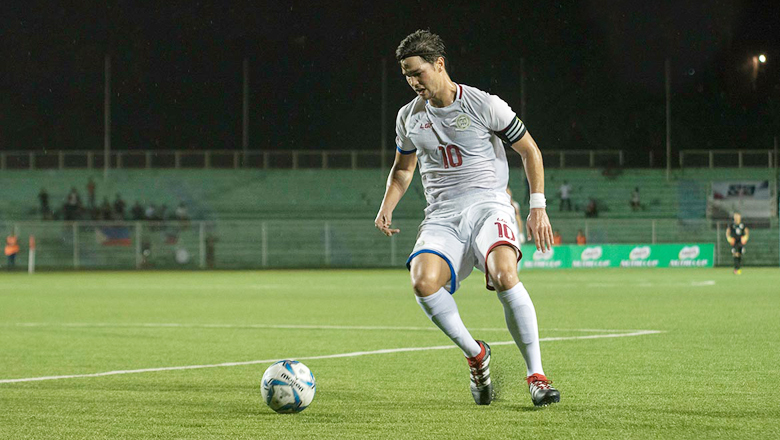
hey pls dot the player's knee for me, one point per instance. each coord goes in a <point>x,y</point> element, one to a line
<point>425,285</point>
<point>504,278</point>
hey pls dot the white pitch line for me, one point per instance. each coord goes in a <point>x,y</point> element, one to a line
<point>227,326</point>
<point>329,356</point>
<point>275,326</point>
<point>703,283</point>
<point>637,284</point>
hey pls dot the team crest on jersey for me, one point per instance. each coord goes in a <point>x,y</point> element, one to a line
<point>462,122</point>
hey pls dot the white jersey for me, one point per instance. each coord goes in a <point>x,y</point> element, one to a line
<point>459,148</point>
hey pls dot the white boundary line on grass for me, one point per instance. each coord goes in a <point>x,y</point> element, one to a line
<point>329,356</point>
<point>273,326</point>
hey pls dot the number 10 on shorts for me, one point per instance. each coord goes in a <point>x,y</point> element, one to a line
<point>451,156</point>
<point>504,231</point>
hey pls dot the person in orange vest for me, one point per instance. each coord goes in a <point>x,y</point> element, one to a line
<point>557,239</point>
<point>11,249</point>
<point>581,238</point>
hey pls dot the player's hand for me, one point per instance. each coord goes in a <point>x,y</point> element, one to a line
<point>732,241</point>
<point>743,240</point>
<point>383,221</point>
<point>538,226</point>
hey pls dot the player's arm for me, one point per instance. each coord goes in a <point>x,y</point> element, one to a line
<point>538,224</point>
<point>729,238</point>
<point>398,181</point>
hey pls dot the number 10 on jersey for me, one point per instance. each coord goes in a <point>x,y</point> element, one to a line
<point>451,156</point>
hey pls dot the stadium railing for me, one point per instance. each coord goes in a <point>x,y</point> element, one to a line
<point>265,159</point>
<point>347,159</point>
<point>322,243</point>
<point>728,158</point>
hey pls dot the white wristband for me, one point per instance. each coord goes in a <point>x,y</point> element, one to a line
<point>538,201</point>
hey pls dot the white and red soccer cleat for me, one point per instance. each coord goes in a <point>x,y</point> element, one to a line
<point>542,393</point>
<point>481,386</point>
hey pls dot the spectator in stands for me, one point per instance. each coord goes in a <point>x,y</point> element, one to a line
<point>182,216</point>
<point>106,212</point>
<point>11,249</point>
<point>151,212</point>
<point>94,212</point>
<point>137,212</point>
<point>211,254</point>
<point>592,209</point>
<point>635,200</point>
<point>557,239</point>
<point>119,208</point>
<point>72,206</point>
<point>565,192</point>
<point>581,240</point>
<point>91,193</point>
<point>43,198</point>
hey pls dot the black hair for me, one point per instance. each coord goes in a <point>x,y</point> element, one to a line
<point>424,44</point>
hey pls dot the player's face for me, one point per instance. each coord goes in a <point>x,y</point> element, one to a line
<point>737,218</point>
<point>423,77</point>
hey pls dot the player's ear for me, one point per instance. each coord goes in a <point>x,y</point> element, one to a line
<point>440,64</point>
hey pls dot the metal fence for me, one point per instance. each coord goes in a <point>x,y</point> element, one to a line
<point>267,159</point>
<point>349,159</point>
<point>728,158</point>
<point>318,243</point>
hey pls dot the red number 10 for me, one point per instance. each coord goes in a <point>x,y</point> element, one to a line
<point>504,231</point>
<point>451,156</point>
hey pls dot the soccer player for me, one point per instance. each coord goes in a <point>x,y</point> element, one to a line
<point>457,134</point>
<point>737,234</point>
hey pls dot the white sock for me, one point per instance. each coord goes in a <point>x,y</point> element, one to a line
<point>521,320</point>
<point>442,310</point>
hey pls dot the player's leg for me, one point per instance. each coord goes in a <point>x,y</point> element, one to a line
<point>738,259</point>
<point>498,252</point>
<point>520,316</point>
<point>430,273</point>
<point>519,310</point>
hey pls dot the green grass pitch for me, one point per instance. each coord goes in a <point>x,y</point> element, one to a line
<point>713,371</point>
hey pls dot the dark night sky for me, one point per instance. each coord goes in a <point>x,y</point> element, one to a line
<point>594,71</point>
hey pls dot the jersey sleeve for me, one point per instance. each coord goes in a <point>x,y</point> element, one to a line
<point>503,121</point>
<point>402,142</point>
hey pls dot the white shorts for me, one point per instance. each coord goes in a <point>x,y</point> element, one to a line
<point>465,239</point>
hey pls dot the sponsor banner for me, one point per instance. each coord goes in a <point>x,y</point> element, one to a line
<point>556,257</point>
<point>745,189</point>
<point>751,198</point>
<point>620,255</point>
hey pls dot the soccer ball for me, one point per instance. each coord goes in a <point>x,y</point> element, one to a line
<point>288,386</point>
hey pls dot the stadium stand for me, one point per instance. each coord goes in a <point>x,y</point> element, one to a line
<point>348,194</point>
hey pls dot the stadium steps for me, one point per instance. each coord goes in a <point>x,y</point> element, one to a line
<point>612,193</point>
<point>253,193</point>
<point>693,199</point>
